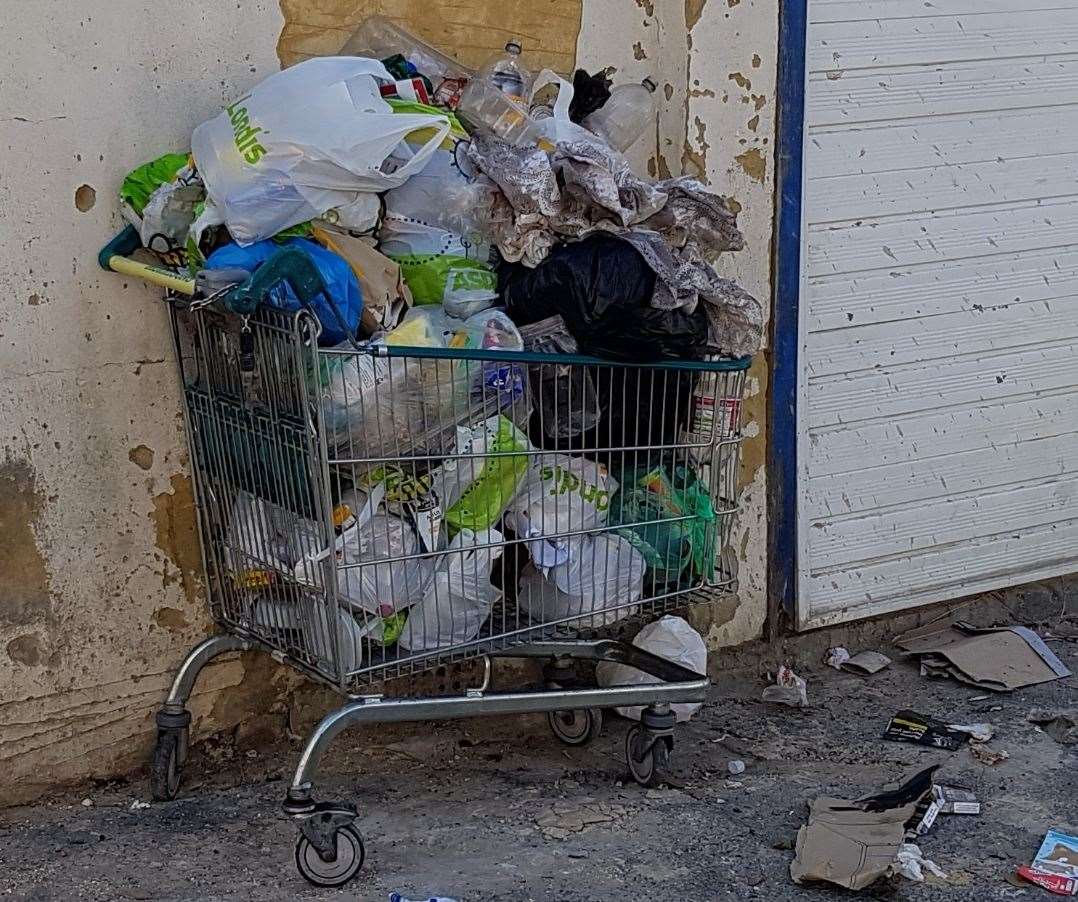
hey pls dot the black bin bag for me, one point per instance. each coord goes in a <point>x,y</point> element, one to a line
<point>602,288</point>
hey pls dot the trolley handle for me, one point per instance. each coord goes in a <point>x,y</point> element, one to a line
<point>290,265</point>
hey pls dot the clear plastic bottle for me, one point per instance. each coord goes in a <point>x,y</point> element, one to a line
<point>625,116</point>
<point>496,100</point>
<point>508,75</point>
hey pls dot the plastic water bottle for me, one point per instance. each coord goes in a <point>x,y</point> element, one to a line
<point>625,116</point>
<point>496,100</point>
<point>507,74</point>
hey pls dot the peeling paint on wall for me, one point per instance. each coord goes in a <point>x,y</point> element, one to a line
<point>693,10</point>
<point>176,534</point>
<point>141,456</point>
<point>740,80</point>
<point>754,422</point>
<point>25,597</point>
<point>468,30</point>
<point>753,163</point>
<point>25,650</point>
<point>172,619</point>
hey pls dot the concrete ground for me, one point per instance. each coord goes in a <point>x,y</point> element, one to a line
<point>499,810</point>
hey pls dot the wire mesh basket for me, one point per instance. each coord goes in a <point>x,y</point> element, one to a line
<point>372,511</point>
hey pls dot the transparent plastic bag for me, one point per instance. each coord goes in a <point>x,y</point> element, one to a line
<point>603,575</point>
<point>460,596</point>
<point>303,621</point>
<point>436,224</point>
<point>263,534</point>
<point>381,37</point>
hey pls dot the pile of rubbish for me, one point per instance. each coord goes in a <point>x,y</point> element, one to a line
<point>410,179</point>
<point>449,208</point>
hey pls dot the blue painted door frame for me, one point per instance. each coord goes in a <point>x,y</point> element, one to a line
<point>785,340</point>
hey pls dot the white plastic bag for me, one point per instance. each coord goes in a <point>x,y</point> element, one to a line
<point>668,637</point>
<point>602,573</point>
<point>262,534</point>
<point>558,127</point>
<point>560,495</point>
<point>380,585</point>
<point>305,140</point>
<point>460,596</point>
<point>306,615</point>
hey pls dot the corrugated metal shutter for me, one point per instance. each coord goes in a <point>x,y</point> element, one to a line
<point>938,404</point>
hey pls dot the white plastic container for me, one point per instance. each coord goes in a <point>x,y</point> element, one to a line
<point>625,116</point>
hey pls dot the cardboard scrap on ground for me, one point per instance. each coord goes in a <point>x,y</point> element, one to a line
<point>853,843</point>
<point>866,663</point>
<point>996,658</point>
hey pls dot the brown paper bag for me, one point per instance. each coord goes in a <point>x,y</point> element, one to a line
<point>386,297</point>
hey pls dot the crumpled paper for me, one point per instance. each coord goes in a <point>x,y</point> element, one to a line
<point>911,864</point>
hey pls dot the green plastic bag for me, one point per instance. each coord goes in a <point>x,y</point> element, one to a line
<point>669,518</point>
<point>142,181</point>
<point>486,499</point>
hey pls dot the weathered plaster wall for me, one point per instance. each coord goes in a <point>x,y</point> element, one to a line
<point>715,63</point>
<point>99,568</point>
<point>99,560</point>
<point>730,138</point>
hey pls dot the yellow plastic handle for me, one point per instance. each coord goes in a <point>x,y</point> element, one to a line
<point>153,274</point>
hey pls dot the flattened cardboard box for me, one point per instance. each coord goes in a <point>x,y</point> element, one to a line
<point>846,845</point>
<point>999,658</point>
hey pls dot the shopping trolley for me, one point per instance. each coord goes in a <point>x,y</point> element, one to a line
<point>371,512</point>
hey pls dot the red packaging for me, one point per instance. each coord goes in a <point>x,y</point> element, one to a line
<point>407,89</point>
<point>1054,883</point>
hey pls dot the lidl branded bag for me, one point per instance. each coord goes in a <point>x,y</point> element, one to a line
<point>305,140</point>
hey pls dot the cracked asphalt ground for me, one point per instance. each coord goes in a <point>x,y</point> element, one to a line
<point>500,810</point>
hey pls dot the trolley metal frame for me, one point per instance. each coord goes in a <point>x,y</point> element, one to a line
<point>227,362</point>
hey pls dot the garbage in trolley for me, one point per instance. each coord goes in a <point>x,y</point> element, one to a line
<point>518,445</point>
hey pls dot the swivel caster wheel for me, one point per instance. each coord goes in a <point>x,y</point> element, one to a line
<point>166,766</point>
<point>648,756</point>
<point>329,850</point>
<point>169,754</point>
<point>576,726</point>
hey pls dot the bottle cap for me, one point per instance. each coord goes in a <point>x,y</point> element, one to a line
<point>513,46</point>
<point>649,84</point>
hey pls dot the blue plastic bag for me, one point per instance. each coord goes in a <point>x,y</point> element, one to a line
<point>339,313</point>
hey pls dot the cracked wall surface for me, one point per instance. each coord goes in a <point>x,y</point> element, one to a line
<point>100,588</point>
<point>100,571</point>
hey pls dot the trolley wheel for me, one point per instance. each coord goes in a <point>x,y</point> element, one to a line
<point>576,726</point>
<point>166,766</point>
<point>647,767</point>
<point>345,865</point>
